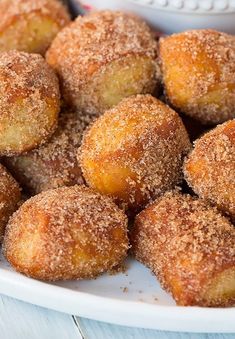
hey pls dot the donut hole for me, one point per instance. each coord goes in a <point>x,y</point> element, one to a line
<point>212,152</point>
<point>104,57</point>
<point>66,233</point>
<point>198,75</point>
<point>134,151</point>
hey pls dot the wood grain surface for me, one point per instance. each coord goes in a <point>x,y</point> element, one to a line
<point>19,320</point>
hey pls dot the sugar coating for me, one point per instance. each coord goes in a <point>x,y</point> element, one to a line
<point>9,197</point>
<point>198,69</point>
<point>186,243</point>
<point>23,11</point>
<point>55,163</point>
<point>87,47</point>
<point>210,167</point>
<point>66,233</point>
<point>29,100</point>
<point>139,145</point>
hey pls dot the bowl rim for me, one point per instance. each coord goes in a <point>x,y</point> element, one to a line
<point>229,10</point>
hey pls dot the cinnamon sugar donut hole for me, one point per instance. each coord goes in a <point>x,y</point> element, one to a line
<point>102,58</point>
<point>198,74</point>
<point>190,247</point>
<point>29,101</point>
<point>66,233</point>
<point>9,198</point>
<point>134,151</point>
<point>55,163</point>
<point>210,167</point>
<point>30,25</point>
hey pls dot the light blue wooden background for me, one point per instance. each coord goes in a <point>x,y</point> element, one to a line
<point>20,320</point>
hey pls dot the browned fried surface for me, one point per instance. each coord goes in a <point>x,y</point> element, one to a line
<point>20,22</point>
<point>86,48</point>
<point>55,163</point>
<point>9,197</point>
<point>187,244</point>
<point>210,167</point>
<point>29,101</point>
<point>66,233</point>
<point>198,74</point>
<point>134,152</point>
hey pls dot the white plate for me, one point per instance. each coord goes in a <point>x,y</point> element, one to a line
<point>170,16</point>
<point>133,298</point>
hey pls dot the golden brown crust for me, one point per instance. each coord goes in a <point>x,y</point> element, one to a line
<point>17,18</point>
<point>83,52</point>
<point>66,233</point>
<point>210,167</point>
<point>198,74</point>
<point>29,102</point>
<point>188,245</point>
<point>9,198</point>
<point>55,163</point>
<point>134,152</point>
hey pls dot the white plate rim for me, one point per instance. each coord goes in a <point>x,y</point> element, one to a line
<point>120,312</point>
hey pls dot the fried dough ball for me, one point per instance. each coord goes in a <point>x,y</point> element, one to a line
<point>198,73</point>
<point>66,233</point>
<point>30,25</point>
<point>55,163</point>
<point>9,198</point>
<point>29,101</point>
<point>190,246</point>
<point>134,151</point>
<point>210,167</point>
<point>102,58</point>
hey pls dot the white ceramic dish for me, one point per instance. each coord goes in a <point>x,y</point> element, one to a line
<point>133,298</point>
<point>171,16</point>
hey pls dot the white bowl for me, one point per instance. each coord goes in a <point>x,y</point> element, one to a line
<point>171,16</point>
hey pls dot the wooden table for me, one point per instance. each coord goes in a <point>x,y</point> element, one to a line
<point>20,320</point>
